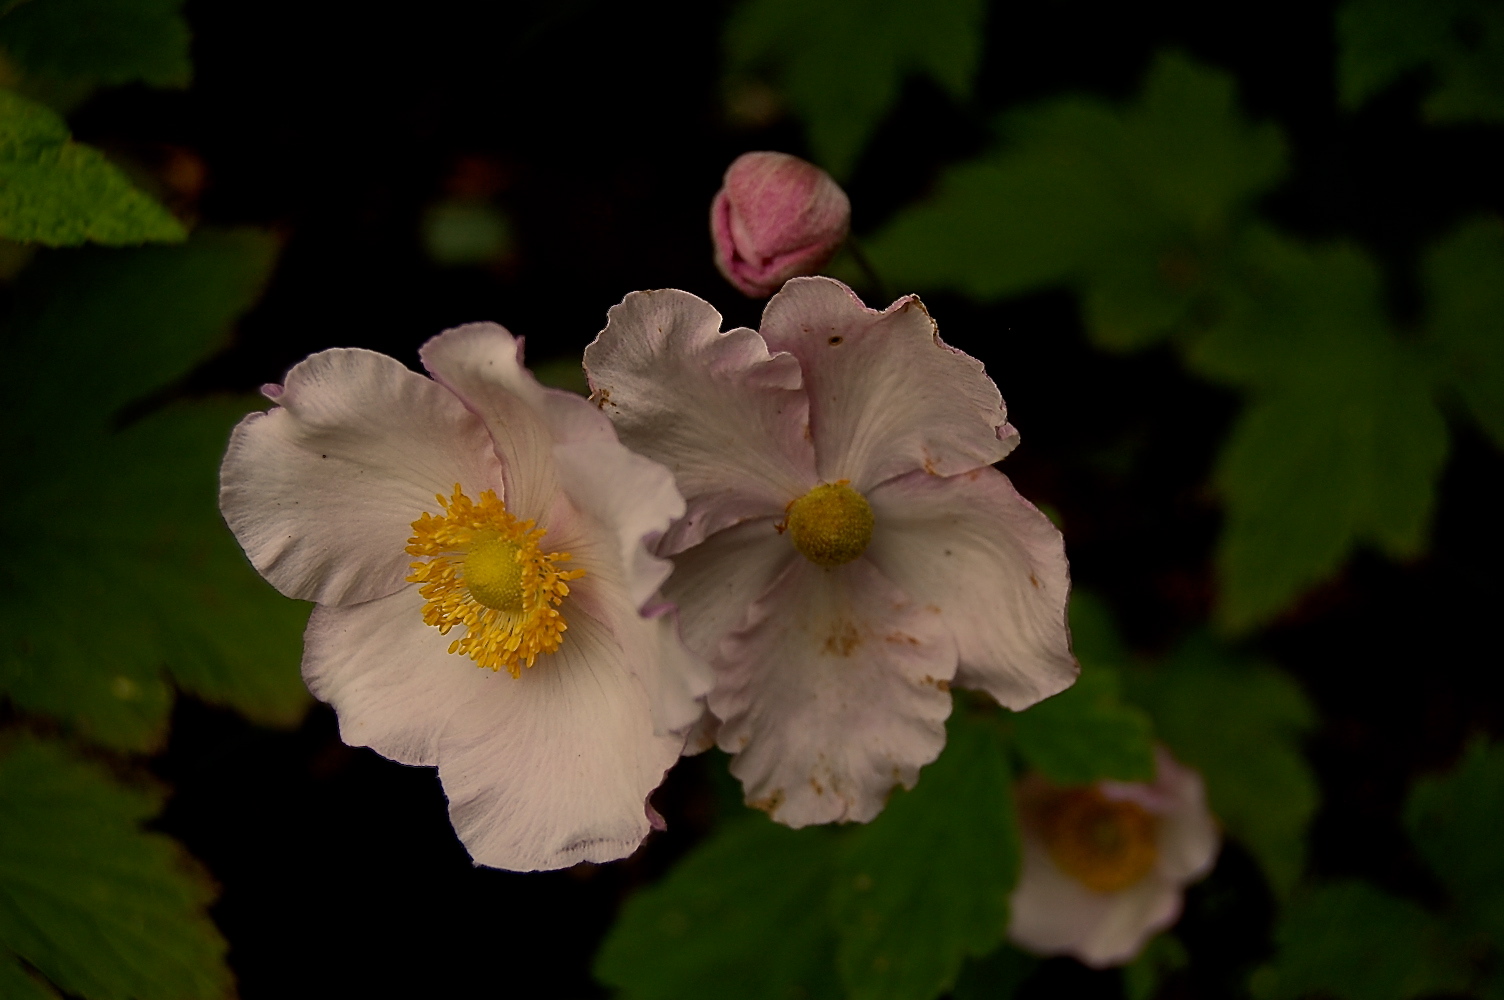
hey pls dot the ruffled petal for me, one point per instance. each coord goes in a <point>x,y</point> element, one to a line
<point>729,419</point>
<point>887,395</point>
<point>322,490</point>
<point>835,692</point>
<point>994,566</point>
<point>542,771</point>
<point>715,583</point>
<point>481,363</point>
<point>1189,840</point>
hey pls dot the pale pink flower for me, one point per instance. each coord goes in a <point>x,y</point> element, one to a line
<point>775,216</point>
<point>475,520</point>
<point>847,551</point>
<point>1105,866</point>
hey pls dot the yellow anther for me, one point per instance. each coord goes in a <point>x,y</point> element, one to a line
<point>831,524</point>
<point>486,571</point>
<point>1105,844</point>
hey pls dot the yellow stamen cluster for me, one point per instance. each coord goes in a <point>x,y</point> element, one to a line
<point>485,571</point>
<point>831,524</point>
<point>1104,844</point>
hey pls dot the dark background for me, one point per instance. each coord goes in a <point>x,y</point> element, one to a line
<point>598,128</point>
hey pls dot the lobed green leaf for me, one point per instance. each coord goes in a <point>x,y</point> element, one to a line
<point>1087,733</point>
<point>1342,442</point>
<point>1464,277</point>
<point>1240,725</point>
<point>58,192</point>
<point>743,917</point>
<point>840,63</point>
<point>927,883</point>
<point>102,909</point>
<point>1352,941</point>
<point>1455,820</point>
<point>1133,206</point>
<point>1460,43</point>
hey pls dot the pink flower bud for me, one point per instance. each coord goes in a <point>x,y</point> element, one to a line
<point>775,217</point>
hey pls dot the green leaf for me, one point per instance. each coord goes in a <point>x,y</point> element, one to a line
<point>102,909</point>
<point>153,579</point>
<point>105,42</point>
<point>1455,820</point>
<point>840,62</point>
<point>1342,442</point>
<point>1240,725</point>
<point>98,329</point>
<point>927,882</point>
<point>743,917</point>
<point>17,983</point>
<point>1134,206</point>
<point>120,565</point>
<point>1161,957</point>
<point>996,976</point>
<point>1086,733</point>
<point>1465,280</point>
<point>1352,941</point>
<point>1461,43</point>
<point>59,192</point>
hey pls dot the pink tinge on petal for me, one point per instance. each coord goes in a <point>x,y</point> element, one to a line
<point>775,217</point>
<point>995,568</point>
<point>835,693</point>
<point>655,818</point>
<point>887,396</point>
<point>725,416</point>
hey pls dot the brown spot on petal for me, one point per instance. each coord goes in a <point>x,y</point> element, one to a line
<point>768,803</point>
<point>814,783</point>
<point>933,609</point>
<point>835,341</point>
<point>843,639</point>
<point>1034,580</point>
<point>603,399</point>
<point>901,637</point>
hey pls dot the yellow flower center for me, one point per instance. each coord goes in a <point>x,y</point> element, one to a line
<point>486,571</point>
<point>831,524</point>
<point>1105,845</point>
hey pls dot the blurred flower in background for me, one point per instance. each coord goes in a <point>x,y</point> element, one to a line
<point>776,217</point>
<point>1105,865</point>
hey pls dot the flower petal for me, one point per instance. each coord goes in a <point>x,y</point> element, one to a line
<point>835,692</point>
<point>542,771</point>
<point>887,395</point>
<point>1188,839</point>
<point>322,490</point>
<point>729,419</point>
<point>481,363</point>
<point>715,583</point>
<point>994,566</point>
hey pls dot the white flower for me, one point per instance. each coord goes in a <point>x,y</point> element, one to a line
<point>1105,866</point>
<point>847,550</point>
<point>475,545</point>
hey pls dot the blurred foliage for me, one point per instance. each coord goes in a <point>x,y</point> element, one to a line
<point>841,64</point>
<point>1354,941</point>
<point>97,907</point>
<point>1086,732</point>
<point>122,581</point>
<point>154,580</point>
<point>1146,212</point>
<point>1457,46</point>
<point>742,917</point>
<point>1162,957</point>
<point>58,192</point>
<point>101,42</point>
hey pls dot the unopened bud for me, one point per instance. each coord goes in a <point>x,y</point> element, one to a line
<point>776,217</point>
